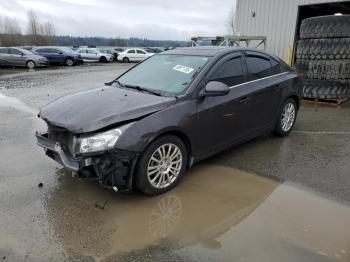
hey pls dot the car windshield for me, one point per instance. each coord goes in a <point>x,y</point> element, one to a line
<point>169,75</point>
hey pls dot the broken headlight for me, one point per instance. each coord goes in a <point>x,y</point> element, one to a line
<point>99,142</point>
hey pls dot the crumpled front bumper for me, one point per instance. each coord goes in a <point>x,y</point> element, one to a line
<point>67,161</point>
<point>113,168</point>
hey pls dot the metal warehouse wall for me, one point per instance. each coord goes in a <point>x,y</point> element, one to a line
<point>275,19</point>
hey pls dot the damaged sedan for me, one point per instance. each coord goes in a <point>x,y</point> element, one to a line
<point>145,128</point>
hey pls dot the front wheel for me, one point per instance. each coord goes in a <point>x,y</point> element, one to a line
<point>126,60</point>
<point>103,59</point>
<point>161,165</point>
<point>286,118</point>
<point>30,64</point>
<point>69,62</point>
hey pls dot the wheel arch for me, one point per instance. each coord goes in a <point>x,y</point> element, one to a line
<point>184,138</point>
<point>296,99</point>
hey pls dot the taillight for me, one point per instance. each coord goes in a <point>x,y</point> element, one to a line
<point>301,77</point>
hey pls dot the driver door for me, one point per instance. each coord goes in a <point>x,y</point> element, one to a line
<point>220,116</point>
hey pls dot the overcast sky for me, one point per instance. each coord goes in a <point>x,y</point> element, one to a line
<point>152,19</point>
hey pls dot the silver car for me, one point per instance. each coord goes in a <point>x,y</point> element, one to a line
<point>15,56</point>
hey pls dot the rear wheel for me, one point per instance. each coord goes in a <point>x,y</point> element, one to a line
<point>31,64</point>
<point>161,166</point>
<point>69,62</point>
<point>126,60</point>
<point>286,118</point>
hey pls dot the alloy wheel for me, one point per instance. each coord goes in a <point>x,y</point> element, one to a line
<point>288,117</point>
<point>31,65</point>
<point>164,165</point>
<point>69,62</point>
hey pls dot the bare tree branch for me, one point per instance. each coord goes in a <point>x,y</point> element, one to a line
<point>231,22</point>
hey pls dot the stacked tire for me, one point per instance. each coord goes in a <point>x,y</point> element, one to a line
<point>323,55</point>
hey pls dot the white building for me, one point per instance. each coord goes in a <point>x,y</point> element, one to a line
<point>279,20</point>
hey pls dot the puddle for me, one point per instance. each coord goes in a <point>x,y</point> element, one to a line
<point>11,102</point>
<point>208,203</point>
<point>216,214</point>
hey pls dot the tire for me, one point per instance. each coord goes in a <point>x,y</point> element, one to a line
<point>30,64</point>
<point>69,62</point>
<point>331,48</point>
<point>143,179</point>
<point>325,27</point>
<point>103,59</point>
<point>286,120</point>
<point>326,89</point>
<point>324,69</point>
<point>126,60</point>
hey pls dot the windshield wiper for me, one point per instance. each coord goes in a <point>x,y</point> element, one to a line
<point>139,88</point>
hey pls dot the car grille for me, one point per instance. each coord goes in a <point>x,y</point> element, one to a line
<point>62,136</point>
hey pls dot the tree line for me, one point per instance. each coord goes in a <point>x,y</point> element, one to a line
<point>39,33</point>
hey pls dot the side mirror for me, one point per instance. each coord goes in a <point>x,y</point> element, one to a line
<point>215,88</point>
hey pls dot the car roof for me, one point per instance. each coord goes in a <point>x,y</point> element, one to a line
<point>210,50</point>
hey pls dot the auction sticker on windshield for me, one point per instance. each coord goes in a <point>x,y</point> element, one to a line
<point>183,69</point>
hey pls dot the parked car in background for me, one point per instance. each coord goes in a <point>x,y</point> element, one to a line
<point>95,55</point>
<point>119,49</point>
<point>14,56</point>
<point>169,112</point>
<point>154,50</point>
<point>59,55</point>
<point>110,51</point>
<point>134,55</point>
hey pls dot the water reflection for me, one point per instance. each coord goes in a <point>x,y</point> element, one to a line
<point>209,201</point>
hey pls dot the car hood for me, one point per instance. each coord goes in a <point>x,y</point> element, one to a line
<point>94,109</point>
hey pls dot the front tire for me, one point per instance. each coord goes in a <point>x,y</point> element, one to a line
<point>286,118</point>
<point>31,64</point>
<point>103,59</point>
<point>126,60</point>
<point>161,165</point>
<point>69,62</point>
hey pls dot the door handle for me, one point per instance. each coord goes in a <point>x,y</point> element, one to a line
<point>244,99</point>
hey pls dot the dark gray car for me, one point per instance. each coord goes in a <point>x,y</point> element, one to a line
<point>15,56</point>
<point>145,128</point>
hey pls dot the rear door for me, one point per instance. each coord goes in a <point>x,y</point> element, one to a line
<point>141,55</point>
<point>131,54</point>
<point>263,92</point>
<point>4,57</point>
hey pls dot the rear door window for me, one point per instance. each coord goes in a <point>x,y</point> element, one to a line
<point>260,66</point>
<point>3,50</point>
<point>140,52</point>
<point>43,50</point>
<point>13,51</point>
<point>230,72</point>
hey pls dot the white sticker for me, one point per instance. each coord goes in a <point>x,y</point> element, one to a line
<point>183,69</point>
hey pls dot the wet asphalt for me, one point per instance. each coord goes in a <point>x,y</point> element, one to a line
<point>270,199</point>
